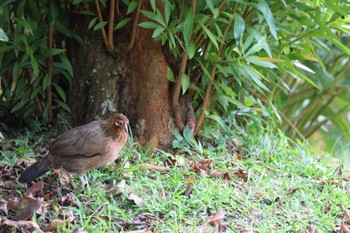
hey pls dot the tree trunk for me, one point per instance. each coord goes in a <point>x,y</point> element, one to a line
<point>133,82</point>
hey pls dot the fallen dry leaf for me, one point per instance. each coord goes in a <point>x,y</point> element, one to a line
<point>141,231</point>
<point>217,174</point>
<point>34,188</point>
<point>217,217</point>
<point>120,188</point>
<point>205,164</point>
<point>238,156</point>
<point>153,167</point>
<point>27,207</point>
<point>68,200</point>
<point>329,181</point>
<point>344,228</point>
<point>12,204</point>
<point>189,190</point>
<point>327,209</point>
<point>311,229</point>
<point>79,230</point>
<point>242,174</point>
<point>218,220</point>
<point>345,212</point>
<point>3,207</point>
<point>135,198</point>
<point>28,225</point>
<point>53,225</point>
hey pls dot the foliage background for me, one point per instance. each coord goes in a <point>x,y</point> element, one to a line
<point>281,61</point>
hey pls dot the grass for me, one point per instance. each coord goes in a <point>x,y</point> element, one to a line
<point>278,186</point>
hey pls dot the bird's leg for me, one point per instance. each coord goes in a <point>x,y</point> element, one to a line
<point>84,181</point>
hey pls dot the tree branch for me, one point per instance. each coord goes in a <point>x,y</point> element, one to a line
<point>110,46</point>
<point>99,14</point>
<point>134,26</point>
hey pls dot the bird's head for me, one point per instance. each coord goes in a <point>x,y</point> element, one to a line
<point>116,125</point>
<point>121,122</point>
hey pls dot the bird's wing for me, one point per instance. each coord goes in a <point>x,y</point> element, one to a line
<point>82,141</point>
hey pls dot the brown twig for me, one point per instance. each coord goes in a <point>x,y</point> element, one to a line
<point>134,26</point>
<point>99,14</point>
<point>110,46</point>
<point>117,11</point>
<point>177,88</point>
<point>209,91</point>
<point>178,82</point>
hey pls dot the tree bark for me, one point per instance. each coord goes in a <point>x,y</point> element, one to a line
<point>133,82</point>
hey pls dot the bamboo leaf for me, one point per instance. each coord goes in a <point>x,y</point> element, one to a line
<point>239,27</point>
<point>170,74</point>
<point>132,6</point>
<point>265,10</point>
<point>60,92</point>
<point>122,23</point>
<point>100,25</point>
<point>187,28</point>
<point>185,83</point>
<point>210,35</point>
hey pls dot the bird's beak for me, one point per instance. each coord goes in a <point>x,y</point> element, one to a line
<point>122,124</point>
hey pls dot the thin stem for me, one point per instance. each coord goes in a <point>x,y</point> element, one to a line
<point>110,46</point>
<point>134,26</point>
<point>103,31</point>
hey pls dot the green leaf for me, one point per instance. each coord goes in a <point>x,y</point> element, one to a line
<point>100,25</point>
<point>35,92</point>
<point>336,8</point>
<point>257,47</point>
<point>35,67</point>
<point>19,105</point>
<point>218,120</point>
<point>248,102</point>
<point>157,32</point>
<point>46,81</point>
<point>132,6</point>
<point>210,35</point>
<point>24,24</point>
<point>188,134</point>
<point>167,10</point>
<point>265,10</point>
<point>16,71</point>
<point>60,92</point>
<point>191,49</point>
<point>149,25</point>
<point>156,17</point>
<point>92,22</point>
<point>153,5</point>
<point>67,65</point>
<point>122,23</point>
<point>185,83</point>
<point>214,10</point>
<point>53,11</point>
<point>51,52</point>
<point>63,105</point>
<point>239,27</point>
<point>6,48</point>
<point>89,13</point>
<point>170,74</point>
<point>187,28</point>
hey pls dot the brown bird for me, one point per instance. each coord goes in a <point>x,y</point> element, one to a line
<point>83,148</point>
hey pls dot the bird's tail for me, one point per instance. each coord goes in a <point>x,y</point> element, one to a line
<point>35,170</point>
